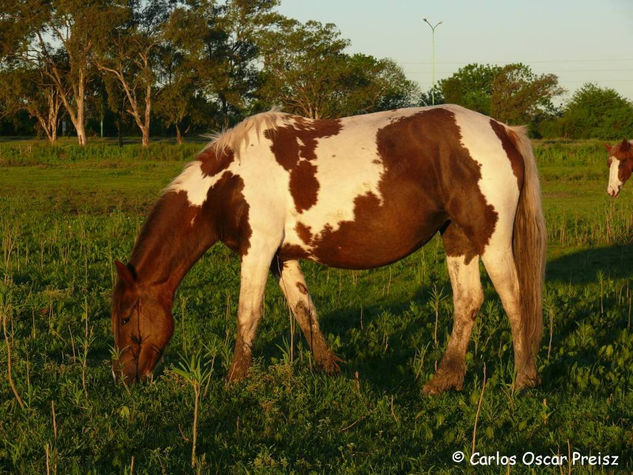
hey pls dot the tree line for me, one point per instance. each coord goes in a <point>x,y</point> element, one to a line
<point>515,95</point>
<point>191,64</point>
<point>182,66</point>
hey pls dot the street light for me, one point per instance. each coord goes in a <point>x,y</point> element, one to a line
<point>433,27</point>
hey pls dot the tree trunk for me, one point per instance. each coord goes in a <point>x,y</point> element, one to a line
<point>148,110</point>
<point>145,138</point>
<point>118,130</point>
<point>81,133</point>
<point>178,135</point>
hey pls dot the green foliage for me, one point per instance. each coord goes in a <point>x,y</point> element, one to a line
<point>595,112</point>
<point>471,86</point>
<point>307,70</point>
<point>512,94</point>
<point>63,224</point>
<point>519,96</point>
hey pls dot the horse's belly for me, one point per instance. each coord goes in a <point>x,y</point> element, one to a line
<point>378,235</point>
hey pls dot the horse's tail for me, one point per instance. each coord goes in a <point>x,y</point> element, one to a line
<point>529,245</point>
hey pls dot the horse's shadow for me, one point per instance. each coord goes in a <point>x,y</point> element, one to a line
<point>393,368</point>
<point>586,266</point>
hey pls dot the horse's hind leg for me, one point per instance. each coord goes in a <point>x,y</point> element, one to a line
<point>294,288</point>
<point>463,270</point>
<point>499,262</point>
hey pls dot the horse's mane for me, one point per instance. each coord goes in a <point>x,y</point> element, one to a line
<point>239,136</point>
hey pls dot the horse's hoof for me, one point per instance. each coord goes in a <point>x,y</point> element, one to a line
<point>526,380</point>
<point>330,364</point>
<point>442,382</point>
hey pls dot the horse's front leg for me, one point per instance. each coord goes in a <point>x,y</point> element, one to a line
<point>254,271</point>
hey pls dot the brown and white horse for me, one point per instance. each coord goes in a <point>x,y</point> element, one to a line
<point>620,163</point>
<point>356,193</point>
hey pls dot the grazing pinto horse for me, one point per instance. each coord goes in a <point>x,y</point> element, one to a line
<point>355,193</point>
<point>620,165</point>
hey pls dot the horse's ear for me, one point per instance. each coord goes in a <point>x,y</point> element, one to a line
<point>607,146</point>
<point>125,273</point>
<point>625,145</point>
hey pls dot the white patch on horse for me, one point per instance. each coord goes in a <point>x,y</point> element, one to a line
<point>498,183</point>
<point>194,182</point>
<point>265,185</point>
<point>614,178</point>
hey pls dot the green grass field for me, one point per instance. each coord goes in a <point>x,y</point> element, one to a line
<point>65,215</point>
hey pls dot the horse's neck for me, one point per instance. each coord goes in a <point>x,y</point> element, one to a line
<point>173,238</point>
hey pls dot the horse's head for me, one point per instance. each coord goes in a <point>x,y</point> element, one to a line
<point>142,325</point>
<point>620,165</point>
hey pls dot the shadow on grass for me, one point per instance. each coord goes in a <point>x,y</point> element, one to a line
<point>582,267</point>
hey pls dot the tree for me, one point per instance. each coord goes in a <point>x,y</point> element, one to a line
<point>471,86</point>
<point>308,72</point>
<point>29,89</point>
<point>180,104</point>
<point>595,112</point>
<point>369,85</point>
<point>219,41</point>
<point>60,34</point>
<point>519,96</point>
<point>303,64</point>
<point>129,53</point>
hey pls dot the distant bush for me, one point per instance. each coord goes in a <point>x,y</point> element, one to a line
<point>595,112</point>
<point>40,152</point>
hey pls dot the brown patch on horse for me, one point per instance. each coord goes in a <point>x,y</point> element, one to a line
<point>456,243</point>
<point>159,246</point>
<point>293,146</point>
<point>509,142</point>
<point>241,361</point>
<point>292,252</point>
<point>428,179</point>
<point>214,161</point>
<point>622,150</point>
<point>304,186</point>
<point>304,232</point>
<point>323,355</point>
<point>302,288</point>
<point>228,209</point>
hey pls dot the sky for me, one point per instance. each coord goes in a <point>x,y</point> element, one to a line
<point>578,40</point>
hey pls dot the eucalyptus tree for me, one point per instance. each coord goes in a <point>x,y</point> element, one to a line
<point>307,70</point>
<point>55,37</point>
<point>180,101</point>
<point>129,51</point>
<point>220,42</point>
<point>29,89</point>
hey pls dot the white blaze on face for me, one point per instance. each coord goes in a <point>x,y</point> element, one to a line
<point>614,179</point>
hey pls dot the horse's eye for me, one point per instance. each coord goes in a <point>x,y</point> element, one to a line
<point>124,321</point>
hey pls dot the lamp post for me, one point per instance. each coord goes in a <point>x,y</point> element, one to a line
<point>433,27</point>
